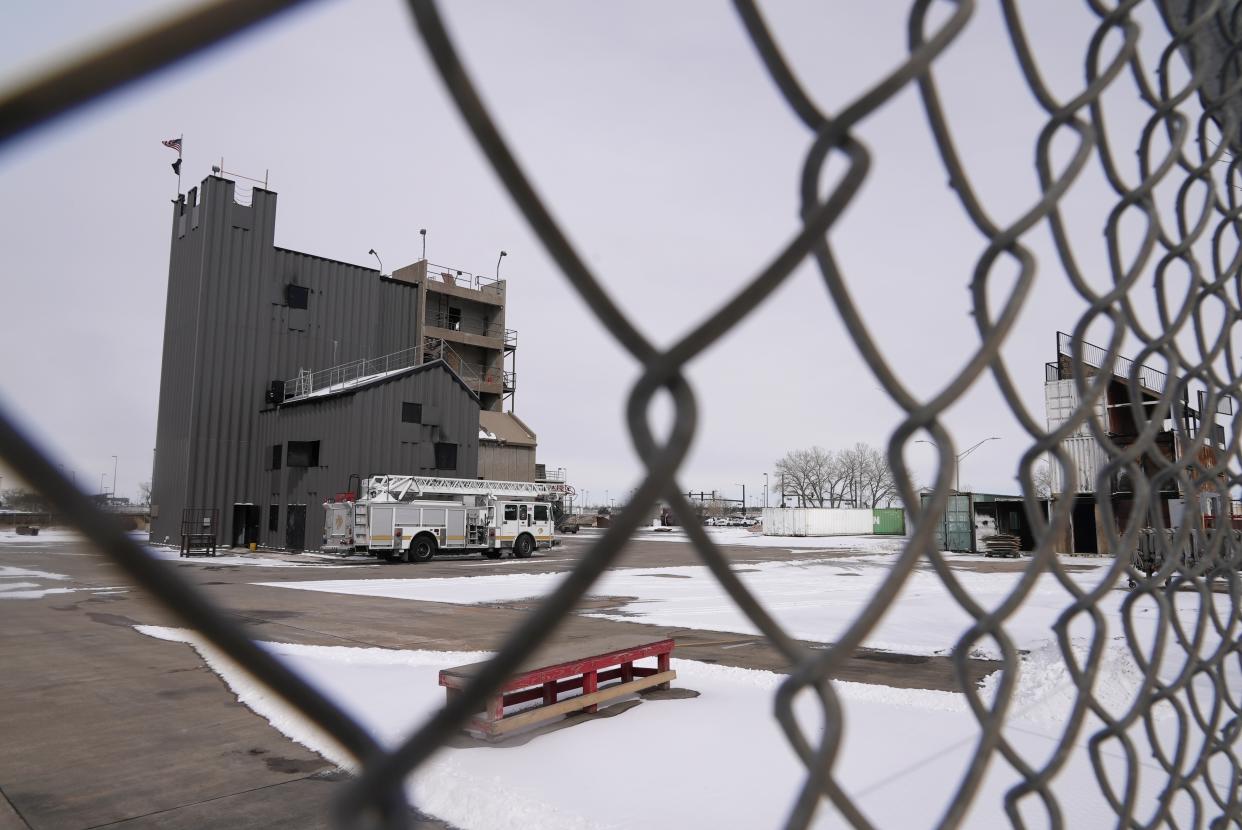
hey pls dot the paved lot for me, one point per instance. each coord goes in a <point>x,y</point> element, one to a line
<point>104,726</point>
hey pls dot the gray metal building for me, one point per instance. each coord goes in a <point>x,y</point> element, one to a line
<point>266,347</point>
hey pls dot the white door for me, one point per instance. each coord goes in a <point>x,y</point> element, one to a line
<point>541,522</point>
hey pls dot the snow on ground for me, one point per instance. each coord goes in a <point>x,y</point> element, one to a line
<point>814,599</point>
<point>15,583</point>
<point>742,536</point>
<point>718,760</point>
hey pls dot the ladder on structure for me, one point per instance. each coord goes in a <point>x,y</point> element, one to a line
<point>400,488</point>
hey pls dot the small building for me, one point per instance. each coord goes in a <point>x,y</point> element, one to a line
<point>1122,419</point>
<point>506,447</point>
<point>970,518</point>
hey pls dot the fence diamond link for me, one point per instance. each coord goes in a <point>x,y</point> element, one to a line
<point>1189,256</point>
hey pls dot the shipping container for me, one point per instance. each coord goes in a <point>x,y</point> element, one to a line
<point>817,521</point>
<point>889,521</point>
<point>1088,458</point>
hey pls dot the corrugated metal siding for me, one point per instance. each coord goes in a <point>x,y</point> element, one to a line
<point>816,521</point>
<point>506,462</point>
<point>362,433</point>
<point>1088,459</point>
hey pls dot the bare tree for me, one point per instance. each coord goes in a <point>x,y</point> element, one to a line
<point>1041,477</point>
<point>805,474</point>
<point>144,492</point>
<point>858,477</point>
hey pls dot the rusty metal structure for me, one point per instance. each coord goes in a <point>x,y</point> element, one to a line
<point>1188,143</point>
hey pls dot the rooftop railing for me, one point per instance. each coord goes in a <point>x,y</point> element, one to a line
<point>461,279</point>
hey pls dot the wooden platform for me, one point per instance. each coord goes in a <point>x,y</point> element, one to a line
<point>564,667</point>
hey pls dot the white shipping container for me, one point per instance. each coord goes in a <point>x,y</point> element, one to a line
<point>817,521</point>
<point>1088,459</point>
<point>1061,402</point>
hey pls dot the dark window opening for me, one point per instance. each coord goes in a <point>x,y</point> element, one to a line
<point>297,296</point>
<point>303,454</point>
<point>273,518</point>
<point>522,514</point>
<point>510,512</point>
<point>446,456</point>
<point>454,319</point>
<point>412,413</point>
<point>541,512</point>
<point>274,459</point>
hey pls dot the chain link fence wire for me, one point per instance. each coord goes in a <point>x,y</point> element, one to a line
<point>1189,257</point>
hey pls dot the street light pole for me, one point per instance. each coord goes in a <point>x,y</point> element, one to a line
<point>114,476</point>
<point>743,486</point>
<point>765,491</point>
<point>957,459</point>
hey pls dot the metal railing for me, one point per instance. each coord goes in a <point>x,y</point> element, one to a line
<point>462,279</point>
<point>347,375</point>
<point>1099,357</point>
<point>1188,145</point>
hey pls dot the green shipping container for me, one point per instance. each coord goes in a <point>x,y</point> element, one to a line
<point>888,521</point>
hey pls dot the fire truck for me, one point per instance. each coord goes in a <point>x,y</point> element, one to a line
<point>414,518</point>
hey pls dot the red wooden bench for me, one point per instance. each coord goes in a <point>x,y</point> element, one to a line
<point>553,670</point>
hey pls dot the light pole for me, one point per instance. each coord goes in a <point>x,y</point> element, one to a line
<point>423,233</point>
<point>377,259</point>
<point>503,254</point>
<point>957,459</point>
<point>114,476</point>
<point>765,491</point>
<point>743,486</point>
<point>102,476</point>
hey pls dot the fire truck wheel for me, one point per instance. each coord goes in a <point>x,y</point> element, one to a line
<point>493,553</point>
<point>422,548</point>
<point>523,546</point>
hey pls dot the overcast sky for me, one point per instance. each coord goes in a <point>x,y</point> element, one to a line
<point>658,140</point>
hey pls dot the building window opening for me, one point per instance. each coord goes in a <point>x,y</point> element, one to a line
<point>454,319</point>
<point>274,457</point>
<point>446,456</point>
<point>297,296</point>
<point>412,413</point>
<point>273,518</point>
<point>303,453</point>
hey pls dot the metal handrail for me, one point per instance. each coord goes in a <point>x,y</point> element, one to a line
<point>462,279</point>
<point>348,374</point>
<point>1097,356</point>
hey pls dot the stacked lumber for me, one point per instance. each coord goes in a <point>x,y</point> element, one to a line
<point>1002,544</point>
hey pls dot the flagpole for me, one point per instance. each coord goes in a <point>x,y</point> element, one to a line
<point>180,142</point>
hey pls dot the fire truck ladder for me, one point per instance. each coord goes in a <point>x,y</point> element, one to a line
<point>401,488</point>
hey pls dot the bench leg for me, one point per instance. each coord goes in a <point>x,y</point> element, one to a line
<point>627,672</point>
<point>590,683</point>
<point>662,665</point>
<point>496,708</point>
<point>549,693</point>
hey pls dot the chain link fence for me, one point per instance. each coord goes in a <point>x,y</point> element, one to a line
<point>1188,256</point>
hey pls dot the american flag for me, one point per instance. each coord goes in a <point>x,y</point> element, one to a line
<point>172,144</point>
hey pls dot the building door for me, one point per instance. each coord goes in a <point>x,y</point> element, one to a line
<point>959,525</point>
<point>1083,523</point>
<point>245,525</point>
<point>295,527</point>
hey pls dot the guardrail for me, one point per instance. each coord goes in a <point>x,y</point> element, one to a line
<point>462,279</point>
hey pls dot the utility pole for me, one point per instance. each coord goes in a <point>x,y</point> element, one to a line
<point>114,476</point>
<point>765,491</point>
